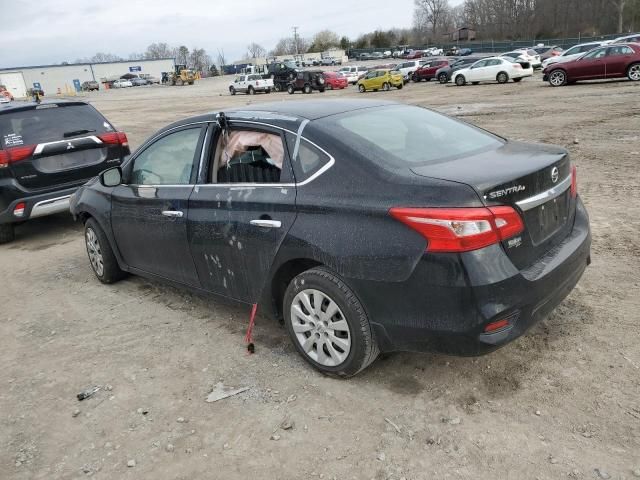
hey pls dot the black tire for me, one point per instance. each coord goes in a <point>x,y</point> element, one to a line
<point>416,78</point>
<point>291,90</point>
<point>475,83</point>
<point>321,90</point>
<point>442,78</point>
<point>400,86</point>
<point>502,77</point>
<point>7,233</point>
<point>307,89</point>
<point>364,348</point>
<point>111,271</point>
<point>558,78</point>
<point>277,88</point>
<point>251,90</point>
<point>460,80</point>
<point>361,88</point>
<point>329,87</point>
<point>516,80</point>
<point>386,87</point>
<point>633,72</point>
<point>232,90</point>
<point>268,90</point>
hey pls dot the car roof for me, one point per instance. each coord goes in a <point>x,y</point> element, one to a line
<point>21,106</point>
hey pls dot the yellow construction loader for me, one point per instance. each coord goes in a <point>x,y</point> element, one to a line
<point>181,76</point>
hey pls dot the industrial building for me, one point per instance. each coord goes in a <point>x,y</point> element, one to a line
<point>53,79</point>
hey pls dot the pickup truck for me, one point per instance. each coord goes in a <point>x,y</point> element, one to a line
<point>250,84</point>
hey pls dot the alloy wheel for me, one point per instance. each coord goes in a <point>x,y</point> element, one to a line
<point>320,328</point>
<point>95,252</point>
<point>557,78</point>
<point>634,72</point>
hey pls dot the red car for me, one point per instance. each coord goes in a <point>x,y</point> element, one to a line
<point>414,55</point>
<point>335,80</point>
<point>429,69</point>
<point>609,61</point>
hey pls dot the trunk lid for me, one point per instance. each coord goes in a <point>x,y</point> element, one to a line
<point>67,148</point>
<point>533,179</point>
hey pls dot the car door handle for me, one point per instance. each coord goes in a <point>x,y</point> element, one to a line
<point>172,213</point>
<point>266,223</point>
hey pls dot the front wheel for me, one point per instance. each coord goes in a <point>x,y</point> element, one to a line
<point>290,89</point>
<point>7,233</point>
<point>103,261</point>
<point>327,324</point>
<point>307,89</point>
<point>460,80</point>
<point>557,78</point>
<point>361,88</point>
<point>633,73</point>
<point>232,90</point>
<point>251,91</point>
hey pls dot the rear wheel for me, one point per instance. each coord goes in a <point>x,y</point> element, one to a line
<point>290,89</point>
<point>502,77</point>
<point>460,80</point>
<point>7,233</point>
<point>558,78</point>
<point>327,324</point>
<point>251,90</point>
<point>400,85</point>
<point>179,82</point>
<point>385,87</point>
<point>475,83</point>
<point>416,78</point>
<point>277,88</point>
<point>361,88</point>
<point>517,79</point>
<point>268,90</point>
<point>307,89</point>
<point>633,73</point>
<point>442,78</point>
<point>103,261</point>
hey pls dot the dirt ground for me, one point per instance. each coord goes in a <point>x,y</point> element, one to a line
<point>562,401</point>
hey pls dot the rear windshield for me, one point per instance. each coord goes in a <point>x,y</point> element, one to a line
<point>49,124</point>
<point>403,134</point>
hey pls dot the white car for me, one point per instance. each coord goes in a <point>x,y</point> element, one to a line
<point>492,69</point>
<point>407,68</point>
<point>353,73</point>
<point>122,83</point>
<point>529,55</point>
<point>573,53</point>
<point>250,84</point>
<point>4,99</point>
<point>633,38</point>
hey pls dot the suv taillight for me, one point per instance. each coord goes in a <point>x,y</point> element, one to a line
<point>114,138</point>
<point>461,229</point>
<point>15,154</point>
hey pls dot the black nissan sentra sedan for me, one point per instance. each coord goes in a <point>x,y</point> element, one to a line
<point>367,226</point>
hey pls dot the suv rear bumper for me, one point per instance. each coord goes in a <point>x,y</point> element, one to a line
<point>38,205</point>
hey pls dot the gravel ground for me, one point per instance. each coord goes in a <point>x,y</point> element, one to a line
<point>562,401</point>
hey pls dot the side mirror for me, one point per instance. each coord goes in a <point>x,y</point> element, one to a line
<point>111,177</point>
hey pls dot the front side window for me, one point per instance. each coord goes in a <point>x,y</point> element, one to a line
<point>596,54</point>
<point>248,156</point>
<point>170,160</point>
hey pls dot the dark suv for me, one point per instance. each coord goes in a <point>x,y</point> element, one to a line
<point>307,81</point>
<point>90,85</point>
<point>47,151</point>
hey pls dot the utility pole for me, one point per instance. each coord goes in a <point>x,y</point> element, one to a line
<point>295,38</point>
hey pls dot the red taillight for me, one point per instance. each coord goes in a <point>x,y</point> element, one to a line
<point>517,65</point>
<point>492,327</point>
<point>574,181</point>
<point>18,210</point>
<point>115,138</point>
<point>461,229</point>
<point>15,154</point>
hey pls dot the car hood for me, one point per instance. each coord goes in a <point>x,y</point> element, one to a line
<point>463,70</point>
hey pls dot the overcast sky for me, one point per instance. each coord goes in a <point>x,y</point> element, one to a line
<point>37,33</point>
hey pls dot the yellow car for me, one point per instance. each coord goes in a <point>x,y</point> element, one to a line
<point>380,80</point>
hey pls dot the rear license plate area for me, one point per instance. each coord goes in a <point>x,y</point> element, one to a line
<point>545,220</point>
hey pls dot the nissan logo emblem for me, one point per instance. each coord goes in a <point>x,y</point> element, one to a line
<point>554,174</point>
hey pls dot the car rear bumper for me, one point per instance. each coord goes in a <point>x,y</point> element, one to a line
<point>39,205</point>
<point>450,299</point>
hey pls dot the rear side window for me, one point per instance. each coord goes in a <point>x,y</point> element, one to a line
<point>310,159</point>
<point>406,135</point>
<point>49,124</point>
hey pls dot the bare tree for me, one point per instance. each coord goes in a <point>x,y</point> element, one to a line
<point>159,50</point>
<point>619,5</point>
<point>430,14</point>
<point>182,55</point>
<point>255,50</point>
<point>222,59</point>
<point>324,39</point>
<point>198,59</point>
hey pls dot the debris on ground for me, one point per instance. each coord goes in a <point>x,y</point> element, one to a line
<point>287,424</point>
<point>180,420</point>
<point>220,392</point>
<point>75,413</point>
<point>381,457</point>
<point>602,473</point>
<point>392,424</point>
<point>275,437</point>
<point>131,463</point>
<point>87,392</point>
<point>169,447</point>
